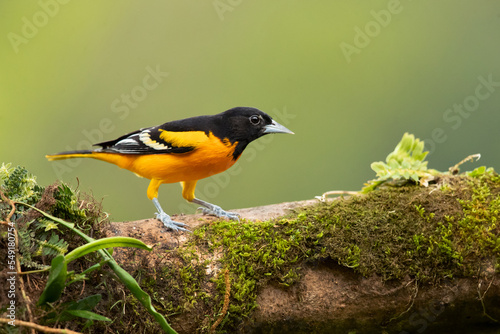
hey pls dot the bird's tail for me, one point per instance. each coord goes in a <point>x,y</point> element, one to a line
<point>121,160</point>
<point>70,154</point>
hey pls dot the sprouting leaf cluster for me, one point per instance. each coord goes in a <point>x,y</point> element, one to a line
<point>406,162</point>
<point>66,206</point>
<point>40,239</point>
<point>19,184</point>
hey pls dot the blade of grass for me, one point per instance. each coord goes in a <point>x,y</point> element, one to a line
<point>87,315</point>
<point>104,243</point>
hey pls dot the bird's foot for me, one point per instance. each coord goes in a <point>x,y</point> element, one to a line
<point>166,220</point>
<point>215,210</point>
<point>169,223</point>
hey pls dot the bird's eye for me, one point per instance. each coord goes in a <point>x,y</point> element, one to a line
<point>254,119</point>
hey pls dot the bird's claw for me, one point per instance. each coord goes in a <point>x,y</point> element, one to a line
<point>219,212</point>
<point>169,223</point>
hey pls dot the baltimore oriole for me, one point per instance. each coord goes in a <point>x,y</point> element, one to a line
<point>184,151</point>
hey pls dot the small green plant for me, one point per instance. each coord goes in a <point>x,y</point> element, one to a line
<point>66,205</point>
<point>59,273</point>
<point>19,184</point>
<point>406,162</point>
<point>40,239</point>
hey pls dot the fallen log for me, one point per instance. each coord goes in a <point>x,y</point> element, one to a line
<point>400,260</point>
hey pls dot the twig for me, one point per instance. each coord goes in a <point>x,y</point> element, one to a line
<point>18,264</point>
<point>454,170</point>
<point>40,328</point>
<point>11,213</point>
<point>323,197</point>
<point>225,307</point>
<point>481,299</point>
<point>412,301</point>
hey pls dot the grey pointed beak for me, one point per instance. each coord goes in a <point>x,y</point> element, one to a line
<point>275,127</point>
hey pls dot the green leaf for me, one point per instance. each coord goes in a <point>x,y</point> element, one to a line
<point>405,164</point>
<point>377,167</point>
<point>142,296</point>
<point>87,303</point>
<point>394,164</point>
<point>104,243</point>
<point>477,172</point>
<point>94,267</point>
<point>414,177</point>
<point>60,221</point>
<point>87,315</point>
<point>55,282</point>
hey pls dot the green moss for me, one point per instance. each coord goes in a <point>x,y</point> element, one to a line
<point>428,233</point>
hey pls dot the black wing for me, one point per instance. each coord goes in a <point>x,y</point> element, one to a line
<point>144,141</point>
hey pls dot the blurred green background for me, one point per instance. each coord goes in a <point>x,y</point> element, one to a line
<point>348,77</point>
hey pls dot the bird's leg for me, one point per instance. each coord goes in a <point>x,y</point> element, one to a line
<point>208,208</point>
<point>212,209</point>
<point>166,220</point>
